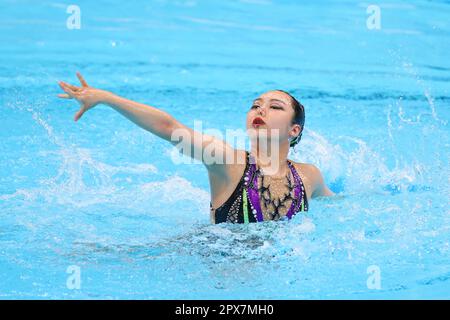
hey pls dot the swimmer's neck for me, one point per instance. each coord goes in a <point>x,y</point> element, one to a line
<point>273,161</point>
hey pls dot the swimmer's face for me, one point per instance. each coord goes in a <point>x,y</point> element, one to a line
<point>275,110</point>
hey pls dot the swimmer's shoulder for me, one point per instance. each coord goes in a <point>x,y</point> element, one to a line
<point>312,179</point>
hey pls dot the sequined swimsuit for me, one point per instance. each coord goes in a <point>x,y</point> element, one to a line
<point>244,205</point>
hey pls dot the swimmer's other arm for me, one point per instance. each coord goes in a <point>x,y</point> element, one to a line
<point>320,189</point>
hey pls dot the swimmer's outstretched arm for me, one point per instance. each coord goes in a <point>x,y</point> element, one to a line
<point>147,117</point>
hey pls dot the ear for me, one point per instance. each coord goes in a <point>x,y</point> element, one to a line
<point>296,130</point>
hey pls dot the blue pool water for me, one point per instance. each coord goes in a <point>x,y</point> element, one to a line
<point>104,195</point>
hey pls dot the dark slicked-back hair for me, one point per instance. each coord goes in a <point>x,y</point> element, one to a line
<point>299,116</point>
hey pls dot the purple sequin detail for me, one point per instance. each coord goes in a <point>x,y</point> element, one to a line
<point>295,204</point>
<point>253,192</point>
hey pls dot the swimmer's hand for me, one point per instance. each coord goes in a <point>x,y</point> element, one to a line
<point>88,97</point>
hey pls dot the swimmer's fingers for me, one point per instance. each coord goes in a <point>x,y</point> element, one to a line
<point>72,87</point>
<point>67,89</point>
<point>82,81</point>
<point>79,113</point>
<point>64,96</point>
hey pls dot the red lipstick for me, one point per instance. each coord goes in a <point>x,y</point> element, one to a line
<point>258,121</point>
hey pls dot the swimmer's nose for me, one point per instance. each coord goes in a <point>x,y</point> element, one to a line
<point>261,111</point>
